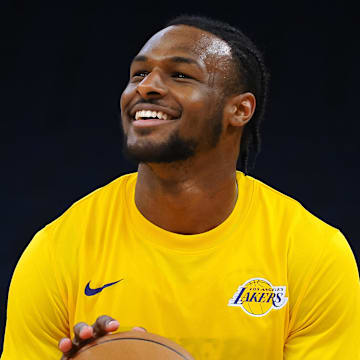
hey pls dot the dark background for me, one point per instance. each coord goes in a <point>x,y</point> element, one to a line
<point>62,72</point>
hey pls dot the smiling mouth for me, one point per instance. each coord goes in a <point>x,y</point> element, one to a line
<point>152,115</point>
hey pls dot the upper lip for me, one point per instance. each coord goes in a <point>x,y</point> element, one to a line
<point>152,107</point>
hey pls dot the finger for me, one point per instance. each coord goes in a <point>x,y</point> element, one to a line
<point>139,328</point>
<point>68,348</point>
<point>112,325</point>
<point>65,345</point>
<point>69,354</point>
<point>82,331</point>
<point>105,324</point>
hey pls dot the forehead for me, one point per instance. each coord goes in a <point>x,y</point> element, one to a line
<point>201,45</point>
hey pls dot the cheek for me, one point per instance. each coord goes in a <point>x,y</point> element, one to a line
<point>196,100</point>
<point>126,96</point>
<point>197,106</point>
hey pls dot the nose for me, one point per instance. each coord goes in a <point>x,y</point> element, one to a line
<point>152,86</point>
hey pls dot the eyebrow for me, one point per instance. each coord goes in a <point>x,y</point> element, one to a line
<point>174,59</point>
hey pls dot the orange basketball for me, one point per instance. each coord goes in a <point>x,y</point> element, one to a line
<point>132,345</point>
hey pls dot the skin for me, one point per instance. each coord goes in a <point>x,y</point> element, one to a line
<point>197,194</point>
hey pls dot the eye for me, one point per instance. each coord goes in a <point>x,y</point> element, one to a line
<point>141,74</point>
<point>180,75</point>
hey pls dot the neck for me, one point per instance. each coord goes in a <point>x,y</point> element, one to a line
<point>190,197</point>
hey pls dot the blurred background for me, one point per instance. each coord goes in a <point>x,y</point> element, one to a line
<point>63,69</point>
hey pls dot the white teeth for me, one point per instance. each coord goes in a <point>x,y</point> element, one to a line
<point>151,114</point>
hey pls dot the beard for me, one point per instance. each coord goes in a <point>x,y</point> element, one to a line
<point>176,148</point>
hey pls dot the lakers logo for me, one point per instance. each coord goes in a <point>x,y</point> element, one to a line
<point>257,297</point>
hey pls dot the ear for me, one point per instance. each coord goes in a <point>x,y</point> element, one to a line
<point>240,108</point>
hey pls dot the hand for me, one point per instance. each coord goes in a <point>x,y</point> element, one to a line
<point>85,333</point>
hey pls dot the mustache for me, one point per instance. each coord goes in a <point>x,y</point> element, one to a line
<point>149,101</point>
<point>158,102</point>
<point>141,101</point>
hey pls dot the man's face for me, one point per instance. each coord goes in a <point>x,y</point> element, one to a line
<point>172,107</point>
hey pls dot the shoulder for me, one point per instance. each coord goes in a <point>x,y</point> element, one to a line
<point>313,247</point>
<point>289,211</point>
<point>305,237</point>
<point>83,220</point>
<point>113,191</point>
<point>96,204</point>
<point>317,256</point>
<point>268,195</point>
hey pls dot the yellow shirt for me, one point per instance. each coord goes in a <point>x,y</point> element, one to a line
<point>271,282</point>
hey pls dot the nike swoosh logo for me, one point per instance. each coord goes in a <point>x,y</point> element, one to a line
<point>90,292</point>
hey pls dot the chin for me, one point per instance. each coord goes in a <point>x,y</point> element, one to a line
<point>145,151</point>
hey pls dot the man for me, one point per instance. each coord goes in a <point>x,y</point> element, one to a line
<point>188,247</point>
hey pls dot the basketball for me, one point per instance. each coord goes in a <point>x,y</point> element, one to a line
<point>132,345</point>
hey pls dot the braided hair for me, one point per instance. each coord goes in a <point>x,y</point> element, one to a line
<point>252,76</point>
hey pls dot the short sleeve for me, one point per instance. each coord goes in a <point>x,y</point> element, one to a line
<point>36,313</point>
<point>325,323</point>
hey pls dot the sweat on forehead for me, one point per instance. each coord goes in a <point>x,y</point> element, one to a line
<point>189,39</point>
